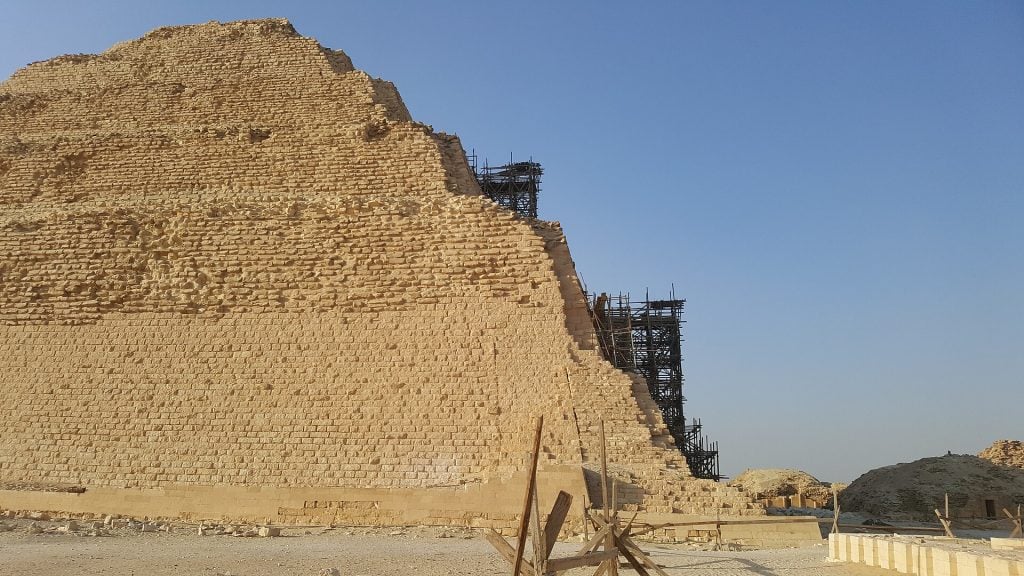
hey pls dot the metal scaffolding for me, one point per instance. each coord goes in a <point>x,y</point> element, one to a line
<point>514,185</point>
<point>646,338</point>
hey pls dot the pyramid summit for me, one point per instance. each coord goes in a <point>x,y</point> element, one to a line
<point>238,280</point>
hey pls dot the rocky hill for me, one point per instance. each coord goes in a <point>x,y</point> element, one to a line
<point>977,488</point>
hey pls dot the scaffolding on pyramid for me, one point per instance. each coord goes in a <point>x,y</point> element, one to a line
<point>515,185</point>
<point>646,338</point>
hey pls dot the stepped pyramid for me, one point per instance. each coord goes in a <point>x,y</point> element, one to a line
<point>238,280</point>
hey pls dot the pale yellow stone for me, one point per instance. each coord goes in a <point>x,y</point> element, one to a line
<point>229,262</point>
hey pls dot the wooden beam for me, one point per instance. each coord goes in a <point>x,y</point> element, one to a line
<point>835,510</point>
<point>891,529</point>
<point>624,550</point>
<point>507,552</point>
<point>556,519</point>
<point>945,524</point>
<point>629,524</point>
<point>781,520</point>
<point>596,539</point>
<point>643,558</point>
<point>539,547</point>
<point>590,559</point>
<point>600,522</point>
<point>1017,529</point>
<point>615,498</point>
<point>531,485</point>
<point>609,539</point>
<point>604,472</point>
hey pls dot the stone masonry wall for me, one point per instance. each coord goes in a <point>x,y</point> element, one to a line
<point>227,258</point>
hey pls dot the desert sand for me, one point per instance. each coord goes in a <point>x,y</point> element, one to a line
<point>352,551</point>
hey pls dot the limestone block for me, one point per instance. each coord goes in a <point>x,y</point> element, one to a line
<point>904,555</point>
<point>1007,543</point>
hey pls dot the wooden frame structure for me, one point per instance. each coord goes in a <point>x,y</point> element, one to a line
<point>602,550</point>
<point>1017,531</point>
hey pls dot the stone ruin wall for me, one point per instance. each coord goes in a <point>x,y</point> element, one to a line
<point>231,262</point>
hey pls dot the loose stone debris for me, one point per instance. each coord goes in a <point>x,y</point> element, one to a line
<point>34,523</point>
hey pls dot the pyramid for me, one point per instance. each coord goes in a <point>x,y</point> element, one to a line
<point>238,280</point>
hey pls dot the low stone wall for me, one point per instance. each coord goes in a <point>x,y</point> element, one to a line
<point>925,556</point>
<point>745,531</point>
<point>489,505</point>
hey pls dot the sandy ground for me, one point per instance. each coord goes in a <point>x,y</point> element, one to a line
<point>353,552</point>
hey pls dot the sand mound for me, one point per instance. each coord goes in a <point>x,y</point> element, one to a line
<point>913,491</point>
<point>1005,452</point>
<point>775,482</point>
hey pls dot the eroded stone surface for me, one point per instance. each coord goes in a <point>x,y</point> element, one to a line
<point>229,258</point>
<point>1005,452</point>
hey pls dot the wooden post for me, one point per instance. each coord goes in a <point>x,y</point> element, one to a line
<point>604,473</point>
<point>560,564</point>
<point>611,566</point>
<point>624,544</point>
<point>945,524</point>
<point>615,498</point>
<point>643,558</point>
<point>595,540</point>
<point>835,510</point>
<point>625,531</point>
<point>615,541</point>
<point>946,521</point>
<point>624,550</point>
<point>507,552</point>
<point>556,519</point>
<point>586,519</point>
<point>539,547</point>
<point>531,486</point>
<point>1017,530</point>
<point>718,529</point>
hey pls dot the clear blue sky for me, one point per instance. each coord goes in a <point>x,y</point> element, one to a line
<point>836,188</point>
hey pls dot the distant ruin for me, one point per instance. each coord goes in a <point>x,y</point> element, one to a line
<point>238,280</point>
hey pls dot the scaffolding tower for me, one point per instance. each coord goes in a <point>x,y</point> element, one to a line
<point>646,338</point>
<point>514,185</point>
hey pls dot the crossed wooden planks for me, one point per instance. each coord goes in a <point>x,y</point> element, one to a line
<point>1017,531</point>
<point>946,521</point>
<point>835,510</point>
<point>609,535</point>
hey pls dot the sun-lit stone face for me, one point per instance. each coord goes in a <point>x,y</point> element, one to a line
<point>229,258</point>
